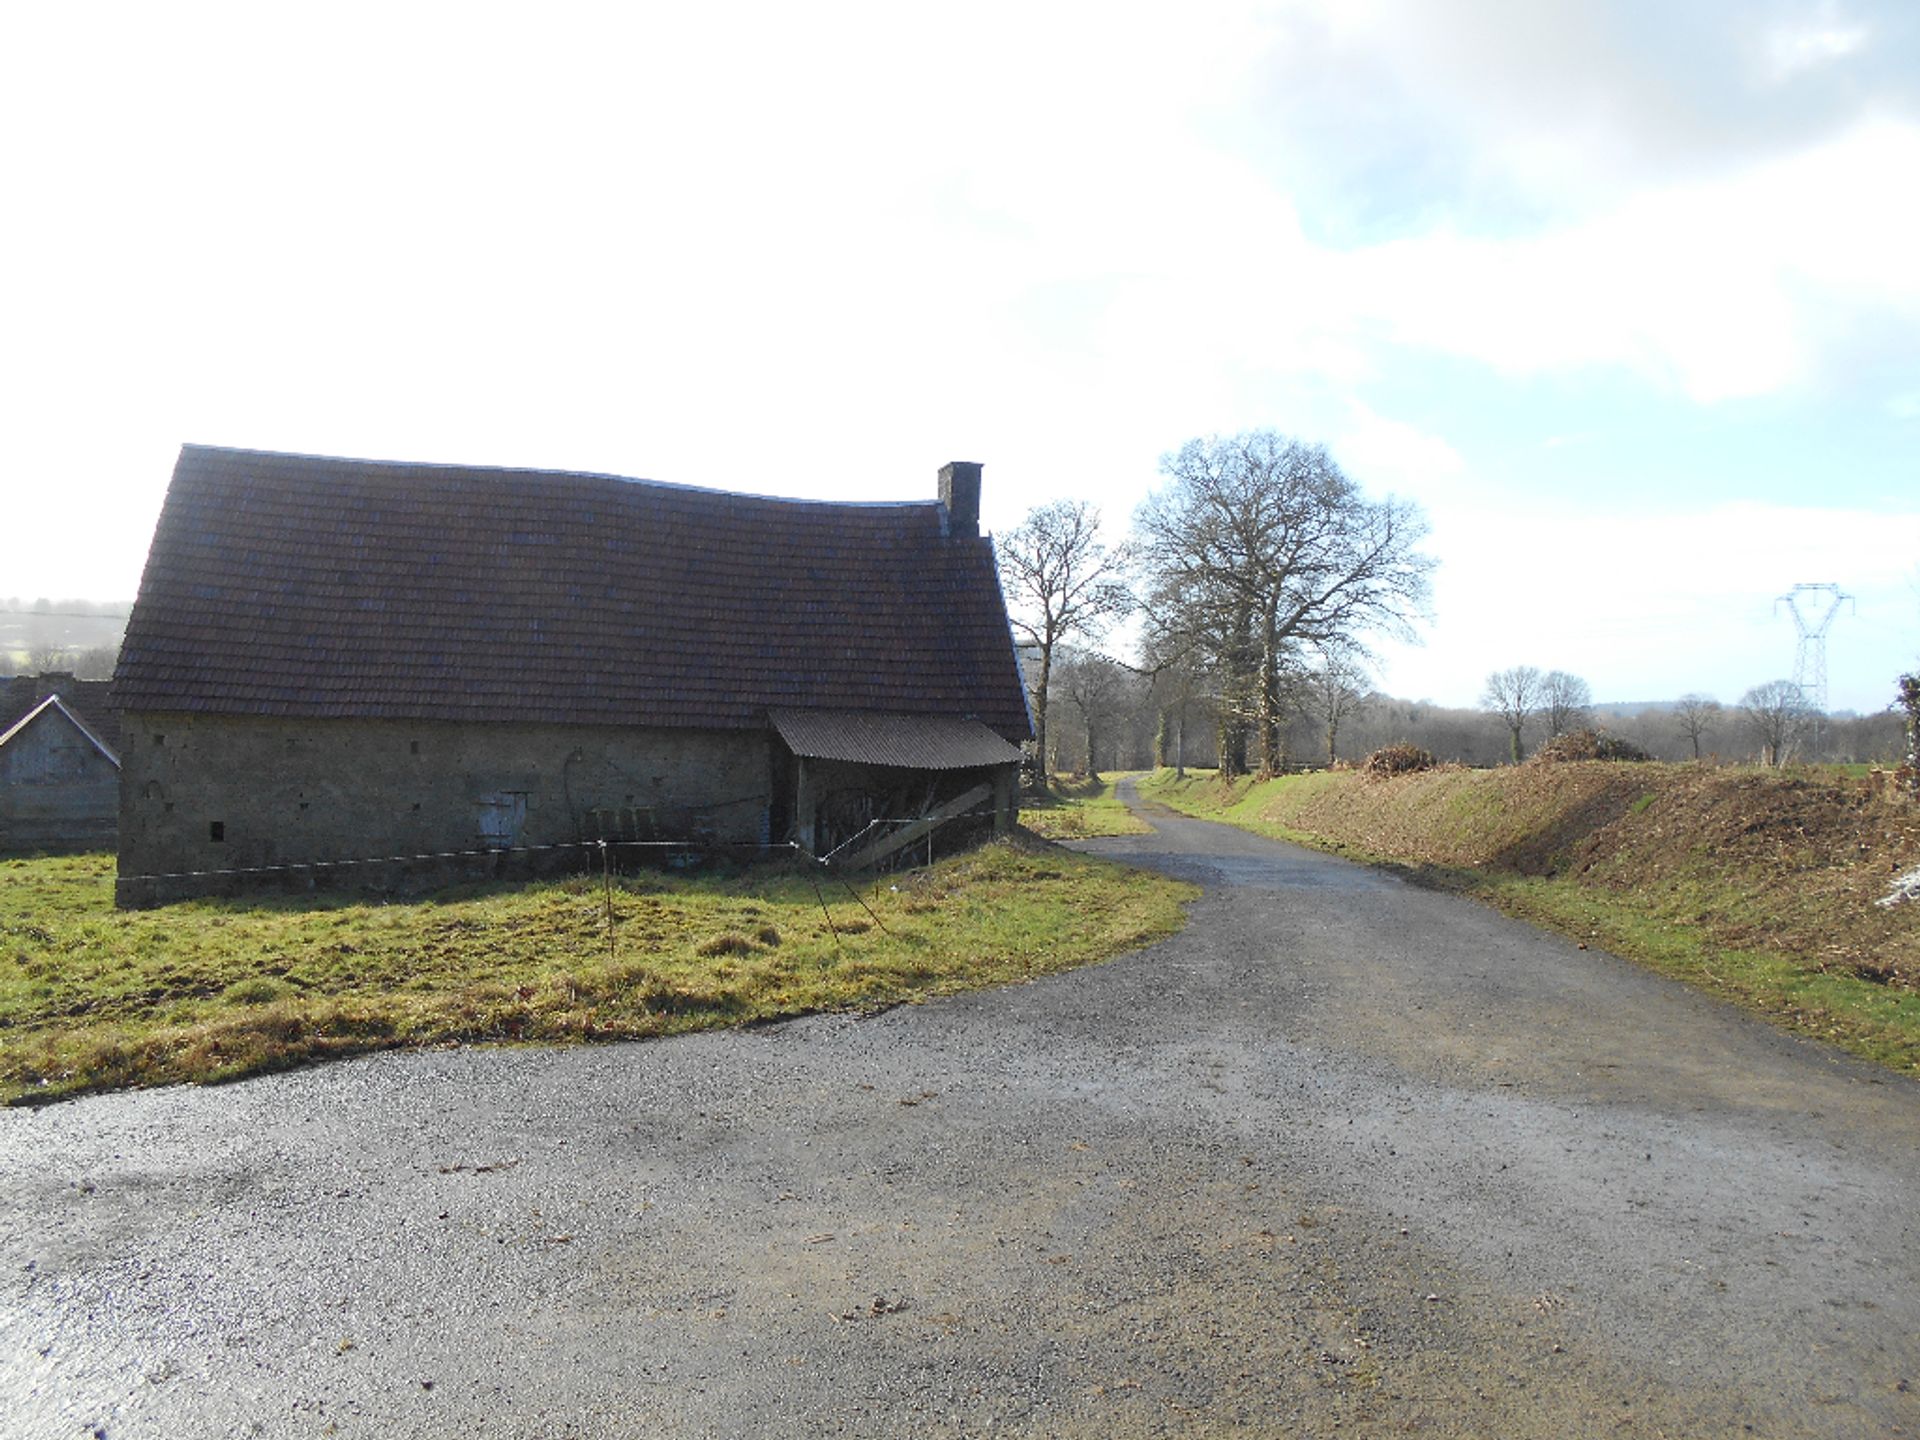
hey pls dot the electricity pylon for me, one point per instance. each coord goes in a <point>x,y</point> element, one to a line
<point>1813,608</point>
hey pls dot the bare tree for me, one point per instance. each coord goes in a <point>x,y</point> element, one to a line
<point>1515,696</point>
<point>1339,685</point>
<point>1259,545</point>
<point>1177,682</point>
<point>96,662</point>
<point>1695,716</point>
<point>1061,583</point>
<point>46,658</point>
<point>1774,714</point>
<point>1096,687</point>
<point>1566,701</point>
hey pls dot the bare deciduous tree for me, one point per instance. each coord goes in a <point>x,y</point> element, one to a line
<point>1566,701</point>
<point>1177,680</point>
<point>1095,686</point>
<point>1339,685</point>
<point>1259,546</point>
<point>1061,582</point>
<point>1774,714</point>
<point>45,658</point>
<point>1695,716</point>
<point>1514,695</point>
<point>96,662</point>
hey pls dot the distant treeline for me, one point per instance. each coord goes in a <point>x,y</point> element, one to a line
<point>14,605</point>
<point>1134,730</point>
<point>78,636</point>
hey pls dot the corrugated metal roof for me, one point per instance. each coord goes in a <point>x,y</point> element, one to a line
<point>913,742</point>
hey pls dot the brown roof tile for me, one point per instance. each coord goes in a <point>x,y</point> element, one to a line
<point>304,586</point>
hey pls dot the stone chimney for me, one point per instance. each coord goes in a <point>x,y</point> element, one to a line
<point>960,493</point>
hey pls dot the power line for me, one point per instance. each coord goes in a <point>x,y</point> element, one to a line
<point>1810,654</point>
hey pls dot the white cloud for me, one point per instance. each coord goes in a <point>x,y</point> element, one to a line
<point>1386,454</point>
<point>1823,39</point>
<point>1722,290</point>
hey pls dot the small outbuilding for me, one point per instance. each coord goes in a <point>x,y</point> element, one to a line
<point>59,771</point>
<point>340,669</point>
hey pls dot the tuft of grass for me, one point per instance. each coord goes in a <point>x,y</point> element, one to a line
<point>1080,810</point>
<point>95,998</point>
<point>1757,886</point>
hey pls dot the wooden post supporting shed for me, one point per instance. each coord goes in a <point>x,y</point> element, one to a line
<point>871,782</point>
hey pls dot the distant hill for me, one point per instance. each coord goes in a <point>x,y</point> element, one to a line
<point>31,628</point>
<point>1619,709</point>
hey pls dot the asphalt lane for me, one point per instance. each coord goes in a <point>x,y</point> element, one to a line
<point>1344,1157</point>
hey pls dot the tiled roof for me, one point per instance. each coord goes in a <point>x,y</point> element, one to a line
<point>52,706</point>
<point>88,701</point>
<point>914,742</point>
<point>303,586</point>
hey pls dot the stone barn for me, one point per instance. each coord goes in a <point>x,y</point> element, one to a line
<point>347,671</point>
<point>59,771</point>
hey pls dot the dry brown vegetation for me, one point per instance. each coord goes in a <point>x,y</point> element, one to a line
<point>1587,745</point>
<point>1399,759</point>
<point>1754,883</point>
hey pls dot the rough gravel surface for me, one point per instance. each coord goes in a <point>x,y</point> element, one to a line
<point>1345,1157</point>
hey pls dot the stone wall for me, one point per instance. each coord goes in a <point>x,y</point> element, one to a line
<point>202,793</point>
<point>57,791</point>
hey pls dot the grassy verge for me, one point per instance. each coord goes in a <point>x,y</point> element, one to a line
<point>94,998</point>
<point>1080,810</point>
<point>1754,886</point>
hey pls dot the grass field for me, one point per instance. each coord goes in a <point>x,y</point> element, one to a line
<point>92,997</point>
<point>1080,810</point>
<point>1755,885</point>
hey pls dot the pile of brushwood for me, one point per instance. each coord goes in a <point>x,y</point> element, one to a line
<point>1401,759</point>
<point>1587,745</point>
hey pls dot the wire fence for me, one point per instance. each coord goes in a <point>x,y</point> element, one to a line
<point>20,878</point>
<point>12,873</point>
<point>880,824</point>
<point>145,887</point>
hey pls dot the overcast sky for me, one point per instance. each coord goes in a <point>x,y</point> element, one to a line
<point>1626,295</point>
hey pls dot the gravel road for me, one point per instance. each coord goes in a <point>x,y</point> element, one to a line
<point>1344,1157</point>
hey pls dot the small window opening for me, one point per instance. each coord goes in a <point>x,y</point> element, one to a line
<point>416,804</point>
<point>158,738</point>
<point>413,748</point>
<point>217,832</point>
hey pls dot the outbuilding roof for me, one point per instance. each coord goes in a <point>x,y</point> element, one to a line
<point>89,701</point>
<point>913,742</point>
<point>54,706</point>
<point>293,585</point>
